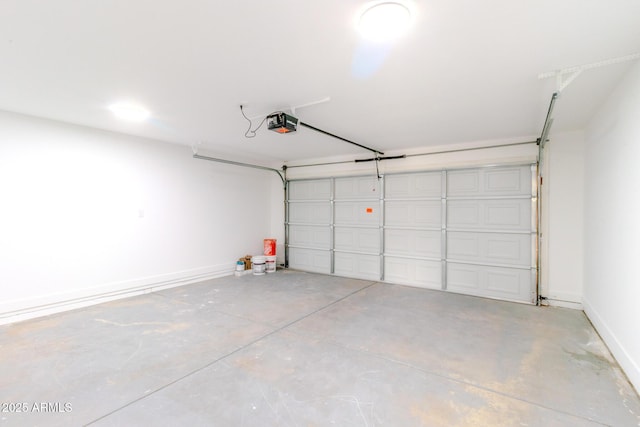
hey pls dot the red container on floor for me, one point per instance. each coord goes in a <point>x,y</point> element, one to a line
<point>270,247</point>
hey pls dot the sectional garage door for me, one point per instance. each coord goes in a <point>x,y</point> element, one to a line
<point>470,231</point>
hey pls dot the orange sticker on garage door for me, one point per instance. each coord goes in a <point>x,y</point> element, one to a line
<point>369,210</point>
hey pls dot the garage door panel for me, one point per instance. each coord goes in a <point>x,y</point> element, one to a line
<point>357,266</point>
<point>313,260</point>
<point>310,212</point>
<point>489,182</point>
<point>357,239</point>
<point>496,282</point>
<point>310,190</point>
<point>490,248</point>
<point>508,181</point>
<point>464,278</point>
<point>357,213</point>
<point>310,236</point>
<point>512,214</point>
<point>426,213</point>
<point>502,214</point>
<point>463,183</point>
<point>366,187</point>
<point>411,186</point>
<point>512,249</point>
<point>417,243</point>
<point>421,273</point>
<point>464,214</point>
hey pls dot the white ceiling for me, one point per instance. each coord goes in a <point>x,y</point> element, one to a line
<point>466,71</point>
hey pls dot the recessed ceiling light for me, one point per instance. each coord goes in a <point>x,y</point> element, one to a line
<point>384,21</point>
<point>128,111</point>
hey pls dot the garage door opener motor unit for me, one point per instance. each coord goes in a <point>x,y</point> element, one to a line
<point>282,123</point>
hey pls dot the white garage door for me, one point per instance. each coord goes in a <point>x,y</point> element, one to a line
<point>470,231</point>
<point>413,229</point>
<point>309,228</point>
<point>357,222</point>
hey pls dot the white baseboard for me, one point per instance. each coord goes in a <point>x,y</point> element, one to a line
<point>626,362</point>
<point>44,305</point>
<point>564,304</point>
<point>562,299</point>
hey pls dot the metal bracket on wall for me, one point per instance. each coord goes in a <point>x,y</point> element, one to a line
<point>564,77</point>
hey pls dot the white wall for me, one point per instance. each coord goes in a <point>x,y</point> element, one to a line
<point>562,220</point>
<point>87,213</point>
<point>612,223</point>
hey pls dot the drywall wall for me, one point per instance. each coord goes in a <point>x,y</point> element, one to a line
<point>612,223</point>
<point>89,215</point>
<point>562,220</point>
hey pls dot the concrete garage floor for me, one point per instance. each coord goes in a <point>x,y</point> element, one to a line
<point>298,349</point>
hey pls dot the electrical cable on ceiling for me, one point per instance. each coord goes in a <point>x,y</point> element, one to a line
<point>250,133</point>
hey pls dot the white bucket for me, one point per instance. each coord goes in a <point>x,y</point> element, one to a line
<point>259,265</point>
<point>271,264</point>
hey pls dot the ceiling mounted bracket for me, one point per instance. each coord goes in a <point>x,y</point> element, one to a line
<point>195,147</point>
<point>309,104</point>
<point>293,108</point>
<point>562,83</point>
<point>573,72</point>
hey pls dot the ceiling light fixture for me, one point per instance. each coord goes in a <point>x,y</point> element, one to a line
<point>383,21</point>
<point>128,111</point>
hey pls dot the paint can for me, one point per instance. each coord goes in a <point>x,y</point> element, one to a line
<point>271,264</point>
<point>239,269</point>
<point>259,265</point>
<point>270,247</point>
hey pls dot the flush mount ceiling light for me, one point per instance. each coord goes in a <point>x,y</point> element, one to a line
<point>129,111</point>
<point>383,21</point>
